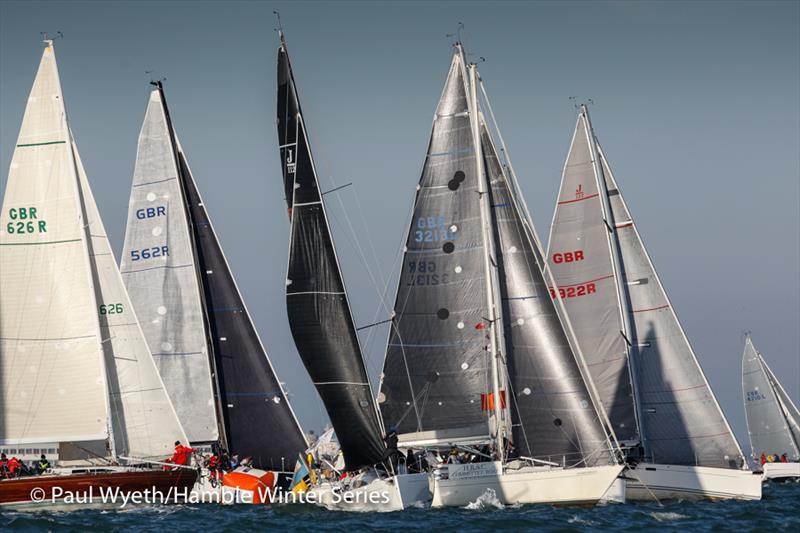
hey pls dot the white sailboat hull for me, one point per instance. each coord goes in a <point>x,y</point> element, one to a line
<point>464,484</point>
<point>382,495</point>
<point>648,482</point>
<point>781,471</point>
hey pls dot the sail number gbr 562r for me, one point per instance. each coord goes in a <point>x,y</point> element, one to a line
<point>25,220</point>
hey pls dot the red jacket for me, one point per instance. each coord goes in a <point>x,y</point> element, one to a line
<point>182,454</point>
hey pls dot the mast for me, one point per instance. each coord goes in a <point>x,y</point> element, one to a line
<point>222,438</point>
<point>616,262</point>
<point>488,253</point>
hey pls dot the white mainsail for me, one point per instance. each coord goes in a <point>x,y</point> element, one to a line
<point>609,297</point>
<point>158,253</point>
<point>51,364</point>
<point>75,366</point>
<point>771,419</point>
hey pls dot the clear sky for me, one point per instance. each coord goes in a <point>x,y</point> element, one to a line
<point>697,105</point>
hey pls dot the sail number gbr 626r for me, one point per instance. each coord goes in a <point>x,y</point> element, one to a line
<point>25,220</point>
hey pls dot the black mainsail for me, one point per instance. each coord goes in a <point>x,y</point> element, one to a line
<point>319,312</point>
<point>253,415</point>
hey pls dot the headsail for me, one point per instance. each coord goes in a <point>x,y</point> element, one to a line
<point>436,370</point>
<point>555,415</point>
<point>681,422</point>
<point>769,419</point>
<point>259,420</point>
<point>145,424</point>
<point>319,312</point>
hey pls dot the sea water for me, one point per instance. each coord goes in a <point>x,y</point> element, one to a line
<point>779,510</point>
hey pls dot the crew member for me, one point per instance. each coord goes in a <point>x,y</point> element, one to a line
<point>392,454</point>
<point>182,454</point>
<point>43,464</point>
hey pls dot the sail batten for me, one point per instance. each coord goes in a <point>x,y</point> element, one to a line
<point>319,312</point>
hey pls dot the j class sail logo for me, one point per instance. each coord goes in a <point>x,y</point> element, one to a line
<point>24,220</point>
<point>579,194</point>
<point>755,395</point>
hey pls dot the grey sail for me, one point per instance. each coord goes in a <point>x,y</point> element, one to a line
<point>554,414</point>
<point>789,408</point>
<point>767,424</point>
<point>437,366</point>
<point>580,260</point>
<point>680,421</point>
<point>159,270</point>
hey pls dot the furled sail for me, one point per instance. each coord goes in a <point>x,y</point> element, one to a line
<point>769,419</point>
<point>159,269</point>
<point>52,382</point>
<point>680,420</point>
<point>555,415</point>
<point>259,420</point>
<point>436,376</point>
<point>319,312</point>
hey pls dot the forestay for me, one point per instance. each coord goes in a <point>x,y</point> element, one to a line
<point>319,312</point>
<point>769,422</point>
<point>437,370</point>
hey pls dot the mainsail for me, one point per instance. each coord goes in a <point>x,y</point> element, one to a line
<point>636,350</point>
<point>436,368</point>
<point>318,309</point>
<point>236,382</point>
<point>74,364</point>
<point>772,418</point>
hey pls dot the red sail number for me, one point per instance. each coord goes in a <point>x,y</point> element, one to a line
<point>568,257</point>
<point>575,290</point>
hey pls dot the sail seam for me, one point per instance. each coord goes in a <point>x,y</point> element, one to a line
<point>35,243</point>
<point>579,199</point>
<point>40,144</point>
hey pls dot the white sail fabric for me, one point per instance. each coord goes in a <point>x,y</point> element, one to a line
<point>158,268</point>
<point>683,423</point>
<point>52,383</point>
<point>145,424</point>
<point>767,422</point>
<point>580,260</point>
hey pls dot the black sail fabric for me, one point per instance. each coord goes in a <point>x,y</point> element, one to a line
<point>437,364</point>
<point>259,421</point>
<point>319,313</point>
<point>554,415</point>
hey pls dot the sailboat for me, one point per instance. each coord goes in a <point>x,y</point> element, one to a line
<point>661,407</point>
<point>478,356</point>
<point>75,368</point>
<point>773,421</point>
<point>323,328</point>
<point>206,346</point>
